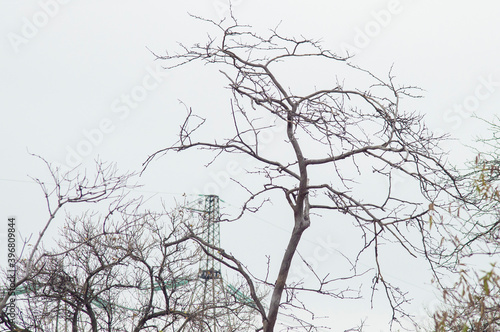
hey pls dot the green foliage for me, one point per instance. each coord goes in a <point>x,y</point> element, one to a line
<point>472,304</point>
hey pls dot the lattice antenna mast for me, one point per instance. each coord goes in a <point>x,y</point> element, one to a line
<point>209,296</point>
<point>210,267</point>
<point>218,306</point>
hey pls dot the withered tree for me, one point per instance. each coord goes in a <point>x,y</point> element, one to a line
<point>119,266</point>
<point>111,273</point>
<point>346,127</point>
<point>62,190</point>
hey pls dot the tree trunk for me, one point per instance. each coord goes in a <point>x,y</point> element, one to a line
<point>300,226</point>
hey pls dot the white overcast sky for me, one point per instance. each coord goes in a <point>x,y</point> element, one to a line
<point>66,68</point>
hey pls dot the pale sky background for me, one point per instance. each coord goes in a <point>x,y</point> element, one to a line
<point>65,67</point>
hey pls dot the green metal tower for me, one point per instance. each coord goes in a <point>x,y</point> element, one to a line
<point>216,305</point>
<point>210,267</point>
<point>209,274</point>
<point>209,298</point>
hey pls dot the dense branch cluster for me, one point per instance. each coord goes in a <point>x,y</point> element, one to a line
<point>129,269</point>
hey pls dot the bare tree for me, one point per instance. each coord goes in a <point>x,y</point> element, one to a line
<point>65,189</point>
<point>120,267</point>
<point>337,136</point>
<point>104,274</point>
